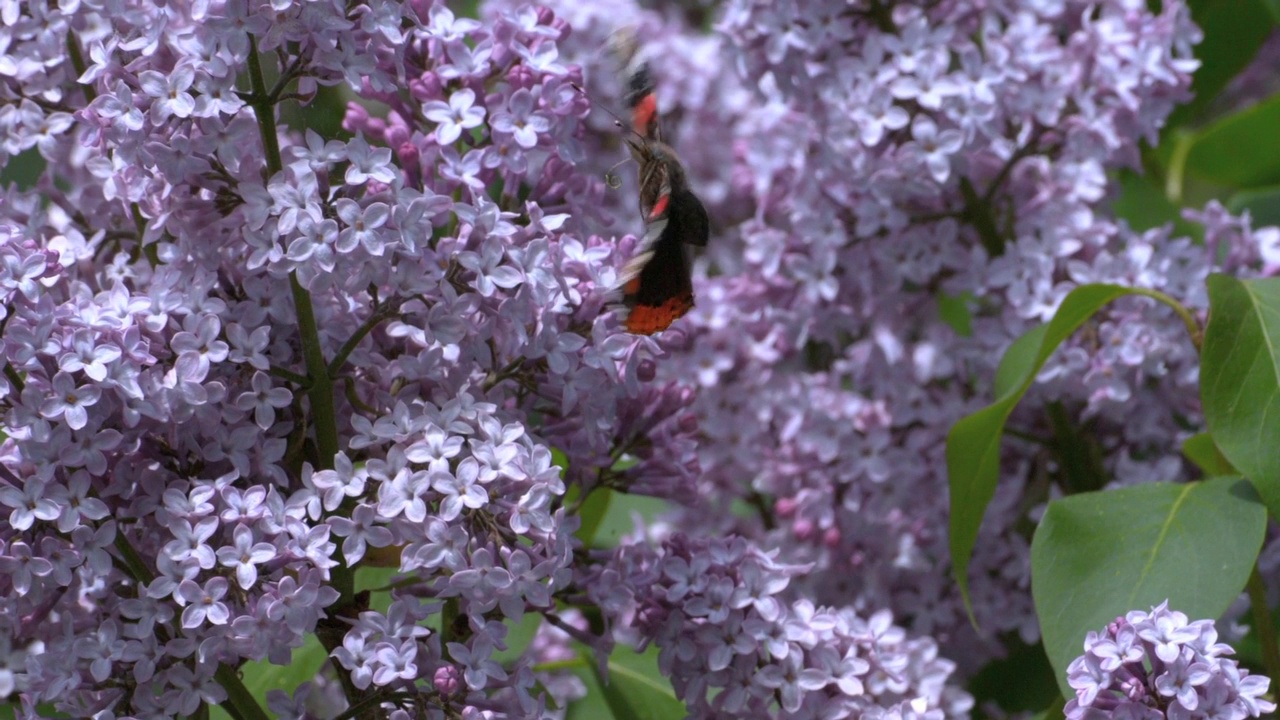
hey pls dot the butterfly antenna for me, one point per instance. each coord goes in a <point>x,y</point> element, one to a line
<point>610,179</point>
<point>597,104</point>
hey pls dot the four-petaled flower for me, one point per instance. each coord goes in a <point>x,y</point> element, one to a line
<point>460,113</point>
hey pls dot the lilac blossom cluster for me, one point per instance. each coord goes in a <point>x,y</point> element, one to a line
<point>1159,665</point>
<point>869,168</point>
<point>240,360</point>
<point>717,610</point>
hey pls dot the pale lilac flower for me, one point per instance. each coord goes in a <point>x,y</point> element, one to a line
<point>29,504</point>
<point>69,401</point>
<point>87,355</point>
<point>203,603</point>
<point>362,226</point>
<point>169,92</point>
<point>245,555</point>
<point>460,489</point>
<point>366,162</point>
<point>264,399</point>
<point>360,531</point>
<point>521,120</point>
<point>460,113</point>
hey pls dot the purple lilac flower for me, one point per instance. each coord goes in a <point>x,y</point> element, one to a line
<point>1157,665</point>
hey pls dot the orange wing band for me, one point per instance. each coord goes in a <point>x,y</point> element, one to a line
<point>659,208</point>
<point>644,114</point>
<point>649,319</point>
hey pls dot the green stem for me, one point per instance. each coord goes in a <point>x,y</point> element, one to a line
<point>1262,623</point>
<point>345,351</point>
<point>1177,166</point>
<point>977,212</point>
<point>320,391</point>
<point>558,665</point>
<point>264,110</point>
<point>1193,327</point>
<point>323,409</point>
<point>371,701</point>
<point>140,223</point>
<point>301,381</point>
<point>448,617</point>
<point>77,62</point>
<point>132,561</point>
<point>1026,436</point>
<point>14,378</point>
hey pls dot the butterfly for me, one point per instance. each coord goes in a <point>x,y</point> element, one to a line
<point>656,285</point>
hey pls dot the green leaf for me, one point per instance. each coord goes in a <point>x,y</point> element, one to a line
<point>973,445</point>
<point>1273,7</point>
<point>635,690</point>
<point>1263,204</point>
<point>1098,555</point>
<point>1020,681</point>
<point>559,459</point>
<point>619,519</point>
<point>261,676</point>
<point>954,311</point>
<point>1053,712</point>
<point>1020,355</point>
<point>379,581</point>
<point>1239,150</point>
<point>1199,449</point>
<point>23,169</point>
<point>1240,378</point>
<point>1233,32</point>
<point>1143,203</point>
<point>593,511</point>
<point>519,637</point>
<point>593,705</point>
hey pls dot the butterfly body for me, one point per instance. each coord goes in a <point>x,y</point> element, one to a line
<point>656,285</point>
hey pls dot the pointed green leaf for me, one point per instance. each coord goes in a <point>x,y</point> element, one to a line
<point>593,512</point>
<point>1263,204</point>
<point>973,445</point>
<point>1199,449</point>
<point>261,677</point>
<point>1020,681</point>
<point>1098,555</point>
<point>634,689</point>
<point>1273,7</point>
<point>954,311</point>
<point>593,705</point>
<point>1020,355</point>
<point>1142,202</point>
<point>1240,378</point>
<point>1239,150</point>
<point>1233,32</point>
<point>559,459</point>
<point>23,169</point>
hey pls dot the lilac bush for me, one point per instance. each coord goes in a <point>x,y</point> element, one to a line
<point>243,360</point>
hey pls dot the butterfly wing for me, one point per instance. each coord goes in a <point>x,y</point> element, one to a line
<point>662,290</point>
<point>640,98</point>
<point>656,287</point>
